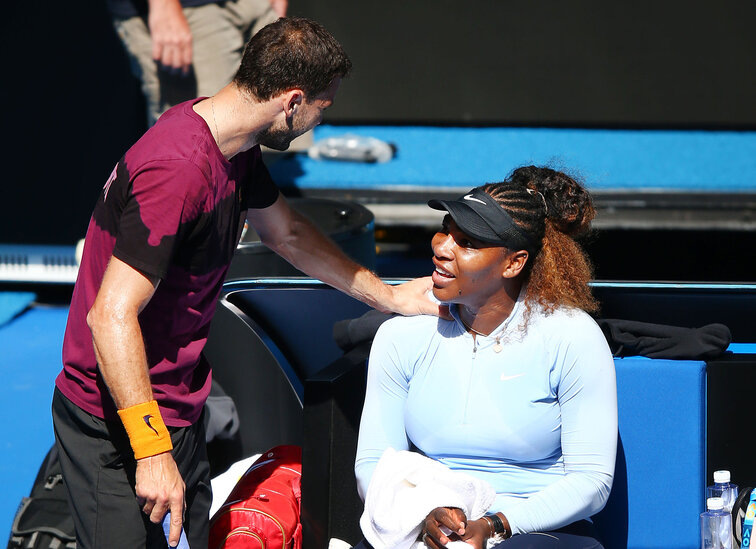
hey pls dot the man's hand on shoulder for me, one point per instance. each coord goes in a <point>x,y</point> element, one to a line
<point>413,298</point>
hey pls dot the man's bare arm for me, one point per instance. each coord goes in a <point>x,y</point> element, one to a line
<point>302,244</point>
<point>121,358</point>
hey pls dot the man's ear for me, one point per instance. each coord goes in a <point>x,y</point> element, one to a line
<point>516,263</point>
<point>292,100</point>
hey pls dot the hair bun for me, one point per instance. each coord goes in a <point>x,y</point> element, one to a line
<point>569,205</point>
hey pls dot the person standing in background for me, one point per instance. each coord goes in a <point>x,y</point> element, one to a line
<point>182,49</point>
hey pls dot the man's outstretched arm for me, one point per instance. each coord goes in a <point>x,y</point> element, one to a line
<point>302,244</point>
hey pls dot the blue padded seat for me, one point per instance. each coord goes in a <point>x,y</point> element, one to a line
<point>660,476</point>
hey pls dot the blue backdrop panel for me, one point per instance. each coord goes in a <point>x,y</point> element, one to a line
<point>13,303</point>
<point>661,466</point>
<point>625,160</point>
<point>30,351</point>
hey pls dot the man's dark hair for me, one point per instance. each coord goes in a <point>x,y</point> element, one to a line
<point>293,52</point>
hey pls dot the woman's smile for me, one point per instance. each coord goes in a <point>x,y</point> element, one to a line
<point>440,275</point>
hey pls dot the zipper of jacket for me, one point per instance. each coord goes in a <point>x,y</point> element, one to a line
<point>471,373</point>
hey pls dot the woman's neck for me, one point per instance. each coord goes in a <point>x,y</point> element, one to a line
<point>487,317</point>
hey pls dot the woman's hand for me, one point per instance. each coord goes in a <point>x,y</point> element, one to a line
<point>477,533</point>
<point>449,517</point>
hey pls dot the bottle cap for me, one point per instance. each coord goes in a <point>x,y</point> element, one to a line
<point>721,477</point>
<point>714,504</point>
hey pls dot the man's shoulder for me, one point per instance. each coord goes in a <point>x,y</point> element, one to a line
<point>173,155</point>
<point>179,135</point>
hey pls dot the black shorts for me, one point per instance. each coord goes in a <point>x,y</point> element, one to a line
<point>578,535</point>
<point>98,470</point>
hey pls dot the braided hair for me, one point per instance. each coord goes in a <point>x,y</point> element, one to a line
<point>554,209</point>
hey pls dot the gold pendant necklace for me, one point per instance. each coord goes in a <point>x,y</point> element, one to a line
<point>497,338</point>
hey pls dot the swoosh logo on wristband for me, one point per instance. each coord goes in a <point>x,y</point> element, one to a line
<point>147,421</point>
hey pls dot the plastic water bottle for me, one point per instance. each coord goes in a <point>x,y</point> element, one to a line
<point>356,148</point>
<point>723,488</point>
<point>716,526</point>
<point>183,542</point>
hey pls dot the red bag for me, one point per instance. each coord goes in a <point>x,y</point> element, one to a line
<point>262,511</point>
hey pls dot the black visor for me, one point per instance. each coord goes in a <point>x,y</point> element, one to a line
<point>478,215</point>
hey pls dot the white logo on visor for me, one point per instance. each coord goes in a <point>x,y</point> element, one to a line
<point>471,197</point>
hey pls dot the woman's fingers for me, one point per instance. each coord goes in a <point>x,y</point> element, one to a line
<point>441,523</point>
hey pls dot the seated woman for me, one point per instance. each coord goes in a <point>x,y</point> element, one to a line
<point>519,388</point>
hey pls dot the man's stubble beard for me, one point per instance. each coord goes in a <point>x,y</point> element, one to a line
<point>276,138</point>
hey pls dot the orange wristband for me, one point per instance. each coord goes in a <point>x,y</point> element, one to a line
<point>147,432</point>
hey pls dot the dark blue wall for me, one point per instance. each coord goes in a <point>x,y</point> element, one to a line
<point>70,110</point>
<point>546,62</point>
<point>71,107</point>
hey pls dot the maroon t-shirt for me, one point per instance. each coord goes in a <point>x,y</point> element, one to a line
<point>174,208</point>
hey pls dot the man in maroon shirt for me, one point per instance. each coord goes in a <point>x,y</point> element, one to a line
<point>126,410</point>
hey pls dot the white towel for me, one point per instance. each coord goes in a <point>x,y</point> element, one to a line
<point>405,487</point>
<point>222,485</point>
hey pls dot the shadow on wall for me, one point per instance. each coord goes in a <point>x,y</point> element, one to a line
<point>72,109</point>
<point>614,528</point>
